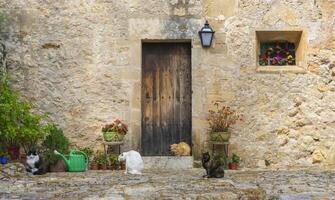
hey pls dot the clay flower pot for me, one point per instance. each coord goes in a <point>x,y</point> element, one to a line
<point>14,152</point>
<point>59,166</point>
<point>94,166</point>
<point>115,166</point>
<point>233,166</point>
<point>103,166</point>
<point>123,166</point>
<point>23,158</point>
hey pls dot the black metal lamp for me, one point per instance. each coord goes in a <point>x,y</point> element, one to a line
<point>206,35</point>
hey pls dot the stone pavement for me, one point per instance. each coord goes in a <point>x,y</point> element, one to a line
<point>183,184</point>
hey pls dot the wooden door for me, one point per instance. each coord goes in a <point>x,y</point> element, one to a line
<point>166,96</point>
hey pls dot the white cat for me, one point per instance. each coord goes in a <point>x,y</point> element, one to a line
<point>134,162</point>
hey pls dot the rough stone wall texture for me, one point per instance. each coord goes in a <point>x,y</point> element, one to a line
<point>80,61</point>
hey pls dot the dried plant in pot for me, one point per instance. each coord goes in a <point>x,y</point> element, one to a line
<point>114,132</point>
<point>220,120</point>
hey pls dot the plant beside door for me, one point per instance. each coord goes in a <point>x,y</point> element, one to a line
<point>220,120</point>
<point>114,132</point>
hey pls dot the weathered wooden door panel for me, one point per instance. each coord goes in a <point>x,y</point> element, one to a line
<point>166,96</point>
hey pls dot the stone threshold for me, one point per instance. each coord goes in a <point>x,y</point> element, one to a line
<point>168,162</point>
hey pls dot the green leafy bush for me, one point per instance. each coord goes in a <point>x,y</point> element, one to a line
<point>235,159</point>
<point>18,126</point>
<point>113,158</point>
<point>54,140</point>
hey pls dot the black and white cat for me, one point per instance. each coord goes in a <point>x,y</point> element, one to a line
<point>35,163</point>
<point>213,168</point>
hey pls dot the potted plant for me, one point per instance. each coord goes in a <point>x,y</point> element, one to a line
<point>101,160</point>
<point>220,120</point>
<point>223,160</point>
<point>19,126</point>
<point>235,161</point>
<point>122,165</point>
<point>113,159</point>
<point>55,140</point>
<point>94,163</point>
<point>89,152</point>
<point>114,132</point>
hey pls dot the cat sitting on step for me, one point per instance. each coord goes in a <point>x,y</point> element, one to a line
<point>35,163</point>
<point>213,168</point>
<point>134,162</point>
<point>181,149</point>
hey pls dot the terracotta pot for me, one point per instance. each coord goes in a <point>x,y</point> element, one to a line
<point>233,166</point>
<point>14,152</point>
<point>220,136</point>
<point>123,166</point>
<point>59,166</point>
<point>23,159</point>
<point>94,166</point>
<point>112,167</point>
<point>103,166</point>
<point>115,167</point>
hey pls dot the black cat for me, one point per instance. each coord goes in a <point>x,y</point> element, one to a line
<point>35,163</point>
<point>213,169</point>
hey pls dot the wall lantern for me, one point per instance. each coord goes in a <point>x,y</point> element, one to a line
<point>206,35</point>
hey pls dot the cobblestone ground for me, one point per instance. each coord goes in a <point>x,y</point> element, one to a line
<point>189,184</point>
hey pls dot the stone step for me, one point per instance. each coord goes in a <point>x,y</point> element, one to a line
<point>168,162</point>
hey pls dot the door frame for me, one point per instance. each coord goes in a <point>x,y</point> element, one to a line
<point>144,41</point>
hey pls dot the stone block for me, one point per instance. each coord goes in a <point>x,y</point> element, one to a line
<point>226,8</point>
<point>136,96</point>
<point>319,155</point>
<point>168,162</point>
<point>281,12</point>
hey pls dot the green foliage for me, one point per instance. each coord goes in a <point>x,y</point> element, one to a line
<point>88,151</point>
<point>235,158</point>
<point>2,18</point>
<point>100,158</point>
<point>3,151</point>
<point>55,140</point>
<point>18,126</point>
<point>223,160</point>
<point>113,158</point>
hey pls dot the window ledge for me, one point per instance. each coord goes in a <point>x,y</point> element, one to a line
<point>281,69</point>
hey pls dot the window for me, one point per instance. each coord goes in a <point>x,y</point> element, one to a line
<point>277,53</point>
<point>280,51</point>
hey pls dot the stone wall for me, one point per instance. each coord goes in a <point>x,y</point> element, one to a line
<point>80,61</point>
